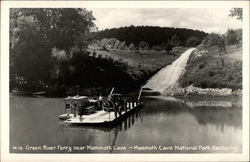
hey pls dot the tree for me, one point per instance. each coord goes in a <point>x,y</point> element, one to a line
<point>131,47</point>
<point>143,45</point>
<point>236,12</point>
<point>233,36</point>
<point>126,48</point>
<point>104,42</point>
<point>35,32</point>
<point>111,42</point>
<point>175,40</point>
<point>156,48</point>
<point>214,39</point>
<point>95,44</point>
<point>117,44</point>
<point>29,49</point>
<point>211,40</point>
<point>122,46</point>
<point>146,48</point>
<point>168,47</point>
<point>192,42</point>
<point>239,36</point>
<point>221,44</point>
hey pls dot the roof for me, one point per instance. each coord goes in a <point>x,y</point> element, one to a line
<point>76,97</point>
<point>116,94</point>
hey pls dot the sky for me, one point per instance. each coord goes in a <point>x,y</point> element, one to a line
<point>205,19</point>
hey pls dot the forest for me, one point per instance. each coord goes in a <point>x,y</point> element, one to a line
<point>154,36</point>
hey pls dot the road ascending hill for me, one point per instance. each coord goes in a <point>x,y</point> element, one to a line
<point>166,80</point>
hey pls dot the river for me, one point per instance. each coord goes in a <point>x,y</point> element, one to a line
<point>162,125</point>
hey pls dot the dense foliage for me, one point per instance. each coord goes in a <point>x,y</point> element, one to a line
<point>90,70</point>
<point>150,34</point>
<point>48,51</point>
<point>236,12</point>
<point>234,36</point>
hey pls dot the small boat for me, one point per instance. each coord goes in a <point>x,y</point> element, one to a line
<point>39,93</point>
<point>83,110</point>
<point>16,92</point>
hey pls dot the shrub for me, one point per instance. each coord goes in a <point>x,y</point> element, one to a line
<point>131,47</point>
<point>117,44</point>
<point>234,36</point>
<point>157,48</point>
<point>192,42</point>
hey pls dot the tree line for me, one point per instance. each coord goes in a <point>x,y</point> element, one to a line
<point>158,38</point>
<point>143,46</point>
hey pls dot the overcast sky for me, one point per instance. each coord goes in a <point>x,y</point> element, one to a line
<point>208,20</point>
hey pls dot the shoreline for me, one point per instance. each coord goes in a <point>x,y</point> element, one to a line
<point>207,92</point>
<point>177,92</point>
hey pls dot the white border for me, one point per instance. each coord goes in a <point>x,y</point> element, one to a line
<point>5,156</point>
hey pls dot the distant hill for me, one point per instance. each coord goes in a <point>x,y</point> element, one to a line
<point>151,34</point>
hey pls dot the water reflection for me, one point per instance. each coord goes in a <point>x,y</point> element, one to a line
<point>91,134</point>
<point>206,111</point>
<point>161,121</point>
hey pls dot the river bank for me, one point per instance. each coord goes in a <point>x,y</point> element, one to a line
<point>213,92</point>
<point>212,73</point>
<point>208,68</point>
<point>200,71</point>
<point>191,90</point>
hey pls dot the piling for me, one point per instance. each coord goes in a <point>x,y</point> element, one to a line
<point>125,106</point>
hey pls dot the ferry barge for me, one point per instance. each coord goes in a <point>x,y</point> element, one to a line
<point>83,110</point>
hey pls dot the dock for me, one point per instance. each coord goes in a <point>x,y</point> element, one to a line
<point>102,117</point>
<point>83,110</point>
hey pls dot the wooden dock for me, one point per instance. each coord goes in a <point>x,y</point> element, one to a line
<point>102,118</point>
<point>114,110</point>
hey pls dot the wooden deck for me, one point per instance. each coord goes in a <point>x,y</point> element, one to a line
<point>99,118</point>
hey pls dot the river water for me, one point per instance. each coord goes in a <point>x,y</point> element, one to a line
<point>162,125</point>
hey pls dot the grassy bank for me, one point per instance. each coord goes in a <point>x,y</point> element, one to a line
<point>209,68</point>
<point>124,70</point>
<point>141,65</point>
<point>146,60</point>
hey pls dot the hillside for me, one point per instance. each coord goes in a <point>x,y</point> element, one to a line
<point>151,34</point>
<point>140,66</point>
<point>146,60</point>
<point>208,68</point>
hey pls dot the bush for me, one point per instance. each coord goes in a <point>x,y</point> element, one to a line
<point>117,44</point>
<point>131,47</point>
<point>157,48</point>
<point>234,36</point>
<point>192,42</point>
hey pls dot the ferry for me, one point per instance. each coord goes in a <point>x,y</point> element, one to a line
<point>83,110</point>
